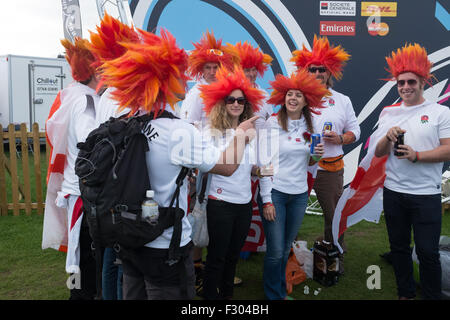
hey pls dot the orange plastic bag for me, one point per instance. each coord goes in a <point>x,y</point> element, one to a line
<point>294,272</point>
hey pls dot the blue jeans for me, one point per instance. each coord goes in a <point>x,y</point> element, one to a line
<point>290,210</point>
<point>421,214</point>
<point>111,276</point>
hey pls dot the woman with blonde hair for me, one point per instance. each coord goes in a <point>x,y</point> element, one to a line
<point>229,101</point>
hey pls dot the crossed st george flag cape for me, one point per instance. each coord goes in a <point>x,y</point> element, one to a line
<point>363,199</point>
<point>55,230</point>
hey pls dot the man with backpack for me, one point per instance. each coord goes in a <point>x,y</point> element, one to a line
<point>147,78</point>
<point>71,119</point>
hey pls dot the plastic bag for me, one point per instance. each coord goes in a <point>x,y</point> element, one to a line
<point>200,235</point>
<point>294,273</point>
<point>304,257</point>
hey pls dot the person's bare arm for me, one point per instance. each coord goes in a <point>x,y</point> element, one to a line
<point>230,159</point>
<point>385,144</point>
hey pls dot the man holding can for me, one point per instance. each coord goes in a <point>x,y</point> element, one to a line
<point>412,188</point>
<point>337,123</point>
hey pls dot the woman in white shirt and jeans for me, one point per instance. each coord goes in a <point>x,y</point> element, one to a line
<point>228,101</point>
<point>285,195</point>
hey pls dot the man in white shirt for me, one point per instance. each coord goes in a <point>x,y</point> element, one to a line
<point>337,123</point>
<point>209,54</point>
<point>76,117</point>
<point>412,188</point>
<point>173,144</point>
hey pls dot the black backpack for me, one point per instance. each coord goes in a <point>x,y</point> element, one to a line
<point>113,180</point>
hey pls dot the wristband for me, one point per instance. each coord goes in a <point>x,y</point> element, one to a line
<point>342,139</point>
<point>267,204</point>
<point>417,157</point>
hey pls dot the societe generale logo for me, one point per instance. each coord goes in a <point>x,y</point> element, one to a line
<point>381,9</point>
<point>337,28</point>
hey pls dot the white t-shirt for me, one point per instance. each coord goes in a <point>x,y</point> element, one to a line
<point>192,106</point>
<point>264,112</point>
<point>290,162</point>
<point>107,108</point>
<point>175,143</point>
<point>237,187</point>
<point>429,123</point>
<point>81,123</point>
<point>339,111</point>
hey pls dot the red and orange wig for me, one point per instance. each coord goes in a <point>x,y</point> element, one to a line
<point>80,58</point>
<point>105,44</point>
<point>226,82</point>
<point>149,75</point>
<point>208,49</point>
<point>311,88</point>
<point>333,58</point>
<point>252,57</point>
<point>410,58</point>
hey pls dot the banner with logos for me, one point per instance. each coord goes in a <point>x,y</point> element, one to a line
<point>71,19</point>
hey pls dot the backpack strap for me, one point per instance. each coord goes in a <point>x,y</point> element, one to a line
<point>174,247</point>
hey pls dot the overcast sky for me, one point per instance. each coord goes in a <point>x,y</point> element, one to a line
<point>35,27</point>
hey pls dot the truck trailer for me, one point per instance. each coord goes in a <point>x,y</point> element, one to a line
<point>28,87</point>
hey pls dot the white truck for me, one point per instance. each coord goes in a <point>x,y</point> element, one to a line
<point>28,88</point>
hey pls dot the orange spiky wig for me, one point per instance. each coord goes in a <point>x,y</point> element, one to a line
<point>252,57</point>
<point>226,82</point>
<point>312,89</point>
<point>79,58</point>
<point>333,58</point>
<point>149,75</point>
<point>105,44</point>
<point>208,49</point>
<point>410,58</point>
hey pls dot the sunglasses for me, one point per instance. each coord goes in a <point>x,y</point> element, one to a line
<point>315,69</point>
<point>231,100</point>
<point>410,82</point>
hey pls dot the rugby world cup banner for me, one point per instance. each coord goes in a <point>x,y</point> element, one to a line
<point>368,30</point>
<point>71,19</point>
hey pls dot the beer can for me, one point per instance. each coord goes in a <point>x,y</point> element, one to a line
<point>315,140</point>
<point>327,126</point>
<point>400,140</point>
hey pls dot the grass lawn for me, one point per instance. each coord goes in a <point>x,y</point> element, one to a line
<point>29,273</point>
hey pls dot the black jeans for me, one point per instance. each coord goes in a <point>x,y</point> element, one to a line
<point>88,270</point>
<point>422,214</point>
<point>228,226</point>
<point>146,274</point>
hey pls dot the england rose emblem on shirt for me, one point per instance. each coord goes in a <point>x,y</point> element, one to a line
<point>424,119</point>
<point>331,102</point>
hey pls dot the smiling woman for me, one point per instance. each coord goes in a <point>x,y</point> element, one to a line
<point>229,101</point>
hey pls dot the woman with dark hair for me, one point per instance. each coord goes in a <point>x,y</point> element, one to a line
<point>285,195</point>
<point>228,101</point>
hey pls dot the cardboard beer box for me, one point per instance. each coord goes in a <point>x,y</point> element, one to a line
<point>326,263</point>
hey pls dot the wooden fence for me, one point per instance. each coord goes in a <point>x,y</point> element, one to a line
<point>16,174</point>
